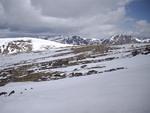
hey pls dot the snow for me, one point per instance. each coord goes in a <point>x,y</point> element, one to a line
<point>138,40</point>
<point>124,91</point>
<point>38,44</point>
<point>31,58</point>
<point>24,58</point>
<point>143,40</point>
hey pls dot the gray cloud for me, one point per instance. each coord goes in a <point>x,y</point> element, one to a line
<point>93,18</point>
<point>75,8</point>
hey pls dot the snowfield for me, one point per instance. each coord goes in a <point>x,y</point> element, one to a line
<point>23,42</point>
<point>123,91</point>
<point>9,60</point>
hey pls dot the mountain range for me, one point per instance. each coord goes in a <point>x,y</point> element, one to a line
<point>41,43</point>
<point>115,40</point>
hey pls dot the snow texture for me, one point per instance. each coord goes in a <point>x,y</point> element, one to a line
<point>38,44</point>
<point>124,91</point>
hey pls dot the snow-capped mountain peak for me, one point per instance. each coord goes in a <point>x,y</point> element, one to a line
<point>74,40</point>
<point>124,39</point>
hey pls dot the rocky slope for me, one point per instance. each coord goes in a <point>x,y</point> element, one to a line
<point>124,39</point>
<point>115,40</point>
<point>74,40</point>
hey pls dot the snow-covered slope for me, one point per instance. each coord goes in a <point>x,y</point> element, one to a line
<point>112,81</point>
<point>26,44</point>
<point>125,91</point>
<point>124,39</point>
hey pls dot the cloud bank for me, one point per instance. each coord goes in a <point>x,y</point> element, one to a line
<point>88,18</point>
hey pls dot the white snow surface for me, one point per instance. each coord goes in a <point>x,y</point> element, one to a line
<point>38,44</point>
<point>24,58</point>
<point>124,91</point>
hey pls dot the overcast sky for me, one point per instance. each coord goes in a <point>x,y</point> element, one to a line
<point>88,18</point>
